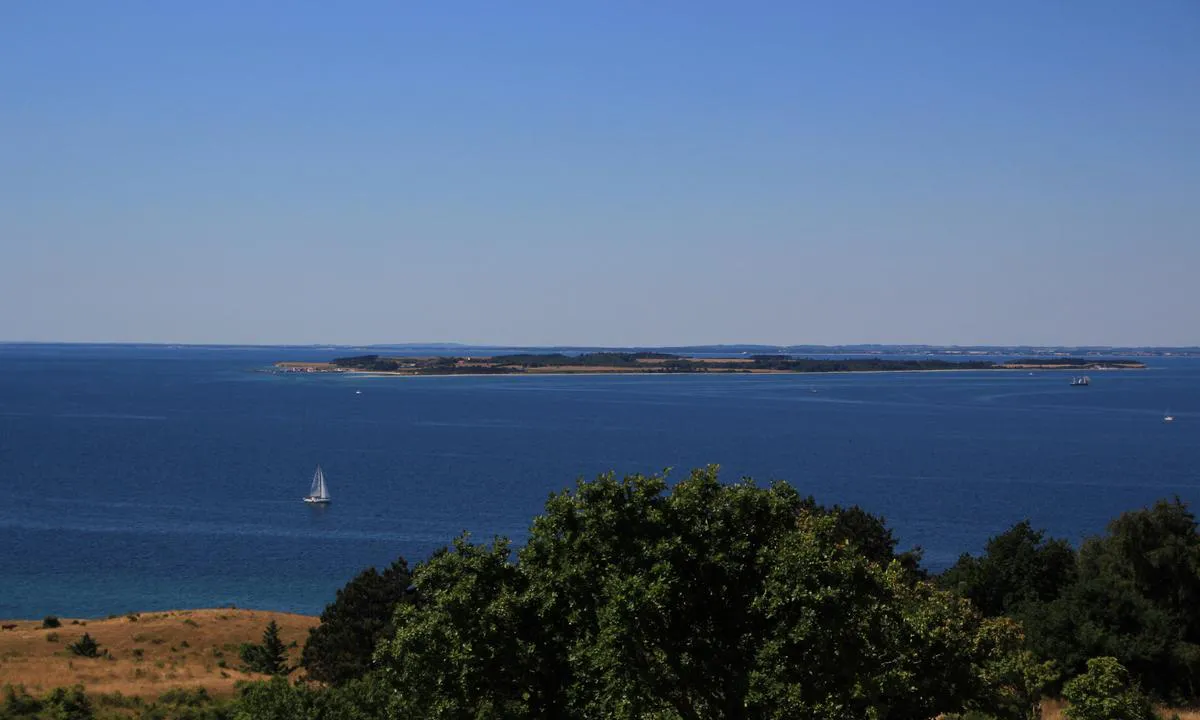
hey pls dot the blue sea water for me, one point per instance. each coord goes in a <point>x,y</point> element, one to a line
<point>144,478</point>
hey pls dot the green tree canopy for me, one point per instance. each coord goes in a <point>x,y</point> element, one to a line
<point>1105,692</point>
<point>710,600</point>
<point>270,656</point>
<point>1135,600</point>
<point>1017,567</point>
<point>340,648</point>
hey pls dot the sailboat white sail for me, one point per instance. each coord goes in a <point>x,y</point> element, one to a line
<point>319,493</point>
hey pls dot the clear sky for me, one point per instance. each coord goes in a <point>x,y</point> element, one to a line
<point>614,172</point>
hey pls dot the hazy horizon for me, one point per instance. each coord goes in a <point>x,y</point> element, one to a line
<point>610,174</point>
<point>654,346</point>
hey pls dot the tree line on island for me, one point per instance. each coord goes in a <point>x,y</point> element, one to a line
<point>633,598</point>
<point>657,362</point>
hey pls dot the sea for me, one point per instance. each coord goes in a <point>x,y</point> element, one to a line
<point>136,478</point>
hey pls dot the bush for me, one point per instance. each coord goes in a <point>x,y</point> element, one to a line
<point>51,621</point>
<point>85,647</point>
<point>1105,692</point>
<point>186,698</point>
<point>18,703</point>
<point>270,656</point>
<point>52,637</point>
<point>67,704</point>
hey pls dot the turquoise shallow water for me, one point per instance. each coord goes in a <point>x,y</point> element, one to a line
<point>150,477</point>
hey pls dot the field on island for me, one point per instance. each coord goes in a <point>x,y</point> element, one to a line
<point>148,653</point>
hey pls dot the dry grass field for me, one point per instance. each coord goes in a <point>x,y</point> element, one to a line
<point>148,653</point>
<point>1053,710</point>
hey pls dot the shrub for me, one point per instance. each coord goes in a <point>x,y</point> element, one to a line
<point>85,647</point>
<point>51,621</point>
<point>184,697</point>
<point>1105,692</point>
<point>118,700</point>
<point>269,657</point>
<point>67,704</point>
<point>52,637</point>
<point>19,703</point>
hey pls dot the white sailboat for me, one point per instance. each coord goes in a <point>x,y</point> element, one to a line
<point>1168,417</point>
<point>319,493</point>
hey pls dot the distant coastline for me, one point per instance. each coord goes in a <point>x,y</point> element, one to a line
<point>660,363</point>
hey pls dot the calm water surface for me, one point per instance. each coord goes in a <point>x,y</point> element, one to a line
<point>151,478</point>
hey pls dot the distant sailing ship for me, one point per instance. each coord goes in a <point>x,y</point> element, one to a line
<point>1081,381</point>
<point>319,493</point>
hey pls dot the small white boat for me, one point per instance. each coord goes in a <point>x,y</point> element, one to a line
<point>1168,417</point>
<point>319,493</point>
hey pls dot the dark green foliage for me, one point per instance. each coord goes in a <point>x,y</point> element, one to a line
<point>1132,594</point>
<point>710,601</point>
<point>637,361</point>
<point>360,699</point>
<point>1075,361</point>
<point>59,704</point>
<point>1018,567</point>
<point>1136,599</point>
<point>1105,692</point>
<point>85,647</point>
<point>175,704</point>
<point>791,364</point>
<point>596,359</point>
<point>268,657</point>
<point>340,648</point>
<point>51,621</point>
<point>19,704</point>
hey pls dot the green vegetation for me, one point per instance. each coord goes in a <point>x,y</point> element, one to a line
<point>51,621</point>
<point>1075,362</point>
<point>269,656</point>
<point>1130,594</point>
<point>1105,692</point>
<point>341,647</point>
<point>59,704</point>
<point>636,599</point>
<point>74,704</point>
<point>708,601</point>
<point>85,647</point>
<point>646,362</point>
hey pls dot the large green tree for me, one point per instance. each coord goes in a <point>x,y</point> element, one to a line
<point>708,600</point>
<point>340,648</point>
<point>1136,599</point>
<point>1018,567</point>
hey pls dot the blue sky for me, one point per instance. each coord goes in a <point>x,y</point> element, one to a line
<point>601,172</point>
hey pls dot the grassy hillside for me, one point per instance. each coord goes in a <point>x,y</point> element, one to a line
<point>148,653</point>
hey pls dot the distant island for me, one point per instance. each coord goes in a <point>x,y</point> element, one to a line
<point>665,363</point>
